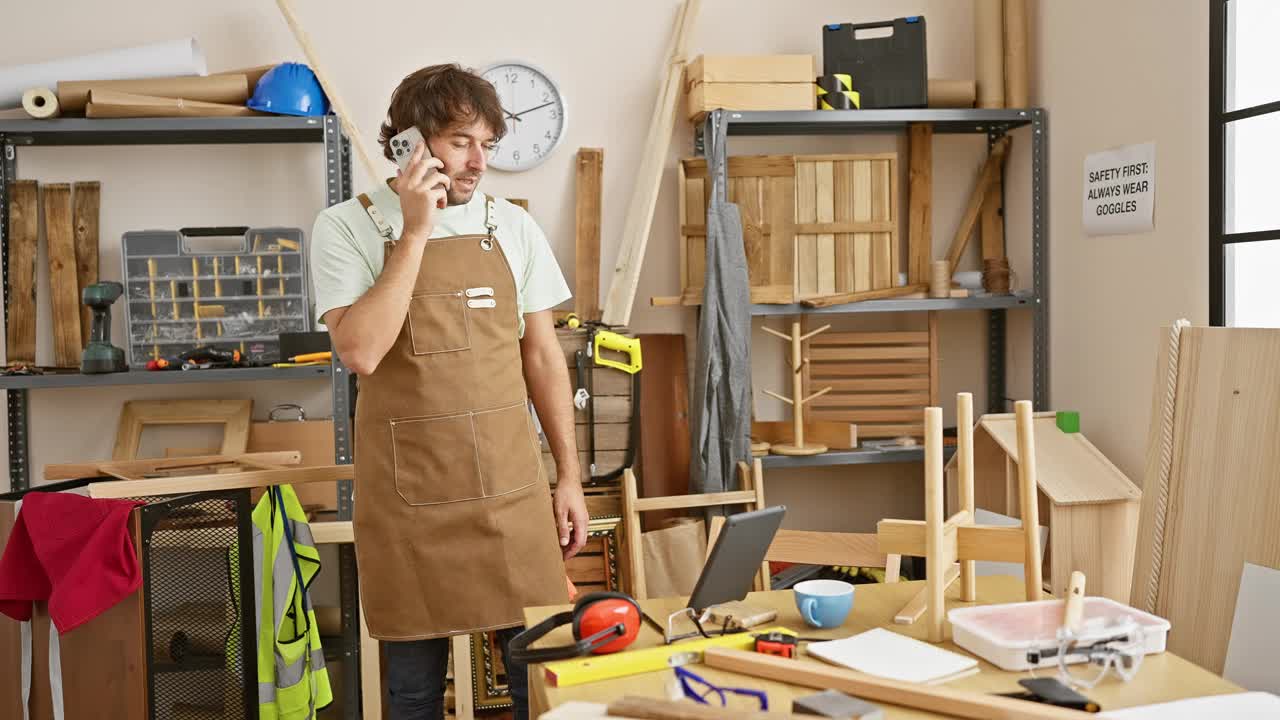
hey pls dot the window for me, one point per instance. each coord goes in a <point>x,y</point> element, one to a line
<point>1244,163</point>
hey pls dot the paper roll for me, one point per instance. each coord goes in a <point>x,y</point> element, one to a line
<point>111,104</point>
<point>1015,54</point>
<point>163,59</point>
<point>951,93</point>
<point>254,74</point>
<point>229,89</point>
<point>988,45</point>
<point>40,103</point>
<point>940,279</point>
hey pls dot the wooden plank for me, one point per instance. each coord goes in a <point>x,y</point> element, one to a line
<point>24,228</point>
<point>912,611</point>
<point>837,399</point>
<point>587,212</point>
<point>990,169</point>
<point>806,245</point>
<point>863,295</point>
<point>745,166</point>
<point>609,409</point>
<point>993,220</point>
<point>994,543</point>
<point>137,468</point>
<point>826,548</point>
<point>905,352</point>
<point>696,195</point>
<point>934,698</point>
<point>851,226</point>
<point>695,501</point>
<point>920,198</point>
<point>606,461</point>
<point>862,260</point>
<point>609,436</point>
<point>780,201</point>
<point>746,193</point>
<point>664,421</point>
<point>823,172</point>
<point>60,241</point>
<point>869,431</point>
<point>639,217</point>
<point>215,482</point>
<point>883,256</point>
<point>872,338</point>
<point>842,186</point>
<point>85,198</point>
<point>682,217</point>
<point>865,416</point>
<point>906,367</point>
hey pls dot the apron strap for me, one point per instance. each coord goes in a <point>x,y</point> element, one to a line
<point>490,224</point>
<point>384,227</point>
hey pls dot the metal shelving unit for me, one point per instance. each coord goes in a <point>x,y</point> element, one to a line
<point>994,124</point>
<point>325,130</point>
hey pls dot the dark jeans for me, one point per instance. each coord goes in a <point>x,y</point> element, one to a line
<point>415,677</point>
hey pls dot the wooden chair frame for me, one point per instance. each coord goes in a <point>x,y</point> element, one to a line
<point>234,415</point>
<point>751,495</point>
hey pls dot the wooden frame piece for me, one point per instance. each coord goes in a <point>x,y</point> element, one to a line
<point>920,199</point>
<point>752,496</point>
<point>136,414</point>
<point>644,197</point>
<point>219,481</point>
<point>991,169</point>
<point>24,224</point>
<point>170,466</point>
<point>838,549</point>
<point>944,541</point>
<point>587,210</point>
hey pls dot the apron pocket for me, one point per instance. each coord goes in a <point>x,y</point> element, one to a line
<point>509,458</point>
<point>435,460</point>
<point>438,323</point>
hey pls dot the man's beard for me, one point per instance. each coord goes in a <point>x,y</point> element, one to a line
<point>460,196</point>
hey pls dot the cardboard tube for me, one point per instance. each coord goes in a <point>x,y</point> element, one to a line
<point>252,74</point>
<point>228,89</point>
<point>111,104</point>
<point>1015,54</point>
<point>40,103</point>
<point>988,45</point>
<point>951,93</point>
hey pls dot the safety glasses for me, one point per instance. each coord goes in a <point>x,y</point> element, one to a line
<point>700,690</point>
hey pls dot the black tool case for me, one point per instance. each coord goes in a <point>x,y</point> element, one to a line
<point>888,71</point>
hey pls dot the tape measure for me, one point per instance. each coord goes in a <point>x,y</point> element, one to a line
<point>835,92</point>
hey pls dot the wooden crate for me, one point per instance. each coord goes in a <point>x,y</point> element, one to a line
<point>748,82</point>
<point>811,224</point>
<point>612,392</point>
<point>882,381</point>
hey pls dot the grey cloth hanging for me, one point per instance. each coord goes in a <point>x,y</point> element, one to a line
<point>721,427</point>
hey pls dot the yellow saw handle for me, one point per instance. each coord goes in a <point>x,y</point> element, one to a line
<point>628,346</point>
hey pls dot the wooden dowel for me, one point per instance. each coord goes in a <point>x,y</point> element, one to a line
<point>964,461</point>
<point>1028,497</point>
<point>935,567</point>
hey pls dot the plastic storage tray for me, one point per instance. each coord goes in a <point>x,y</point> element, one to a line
<point>1002,634</point>
<point>231,287</point>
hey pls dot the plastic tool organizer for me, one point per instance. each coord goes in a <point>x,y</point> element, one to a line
<point>889,70</point>
<point>229,287</point>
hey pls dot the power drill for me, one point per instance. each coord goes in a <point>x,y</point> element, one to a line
<point>100,356</point>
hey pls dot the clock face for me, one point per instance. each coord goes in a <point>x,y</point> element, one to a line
<point>535,112</point>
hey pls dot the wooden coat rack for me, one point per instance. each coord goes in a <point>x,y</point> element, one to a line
<point>797,401</point>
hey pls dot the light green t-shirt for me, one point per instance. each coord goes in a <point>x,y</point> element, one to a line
<point>347,251</point>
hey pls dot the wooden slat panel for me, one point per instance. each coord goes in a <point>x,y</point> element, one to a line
<point>24,224</point>
<point>60,239</point>
<point>862,261</point>
<point>823,173</point>
<point>883,267</point>
<point>609,409</point>
<point>745,166</point>
<point>696,201</point>
<point>605,462</point>
<point>609,436</point>
<point>835,226</point>
<point>871,338</point>
<point>806,245</point>
<point>820,371</point>
<point>911,352</point>
<point>86,197</point>
<point>843,188</point>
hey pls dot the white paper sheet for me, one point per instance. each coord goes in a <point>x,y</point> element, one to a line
<point>162,59</point>
<point>1238,706</point>
<point>887,654</point>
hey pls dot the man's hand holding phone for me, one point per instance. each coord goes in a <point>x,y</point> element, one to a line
<point>423,191</point>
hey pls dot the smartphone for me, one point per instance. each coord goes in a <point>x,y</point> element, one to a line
<point>402,147</point>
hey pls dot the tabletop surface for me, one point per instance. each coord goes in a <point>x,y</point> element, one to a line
<point>1161,678</point>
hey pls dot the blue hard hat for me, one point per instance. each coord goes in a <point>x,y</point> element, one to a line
<point>289,89</point>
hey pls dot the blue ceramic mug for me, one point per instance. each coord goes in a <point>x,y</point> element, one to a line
<point>824,603</point>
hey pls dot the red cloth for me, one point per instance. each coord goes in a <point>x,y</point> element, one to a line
<point>76,552</point>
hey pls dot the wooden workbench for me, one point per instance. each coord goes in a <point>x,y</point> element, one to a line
<point>1161,678</point>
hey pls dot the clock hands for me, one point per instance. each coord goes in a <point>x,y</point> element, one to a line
<point>516,117</point>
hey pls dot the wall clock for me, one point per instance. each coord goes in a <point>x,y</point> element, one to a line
<point>535,113</point>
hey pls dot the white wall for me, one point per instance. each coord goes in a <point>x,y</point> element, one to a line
<point>1113,74</point>
<point>606,57</point>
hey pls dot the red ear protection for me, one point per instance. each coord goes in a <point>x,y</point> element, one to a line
<point>603,622</point>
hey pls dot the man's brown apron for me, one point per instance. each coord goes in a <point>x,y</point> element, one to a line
<point>453,522</point>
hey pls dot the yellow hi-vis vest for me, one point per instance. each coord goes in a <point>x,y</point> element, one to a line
<point>292,681</point>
